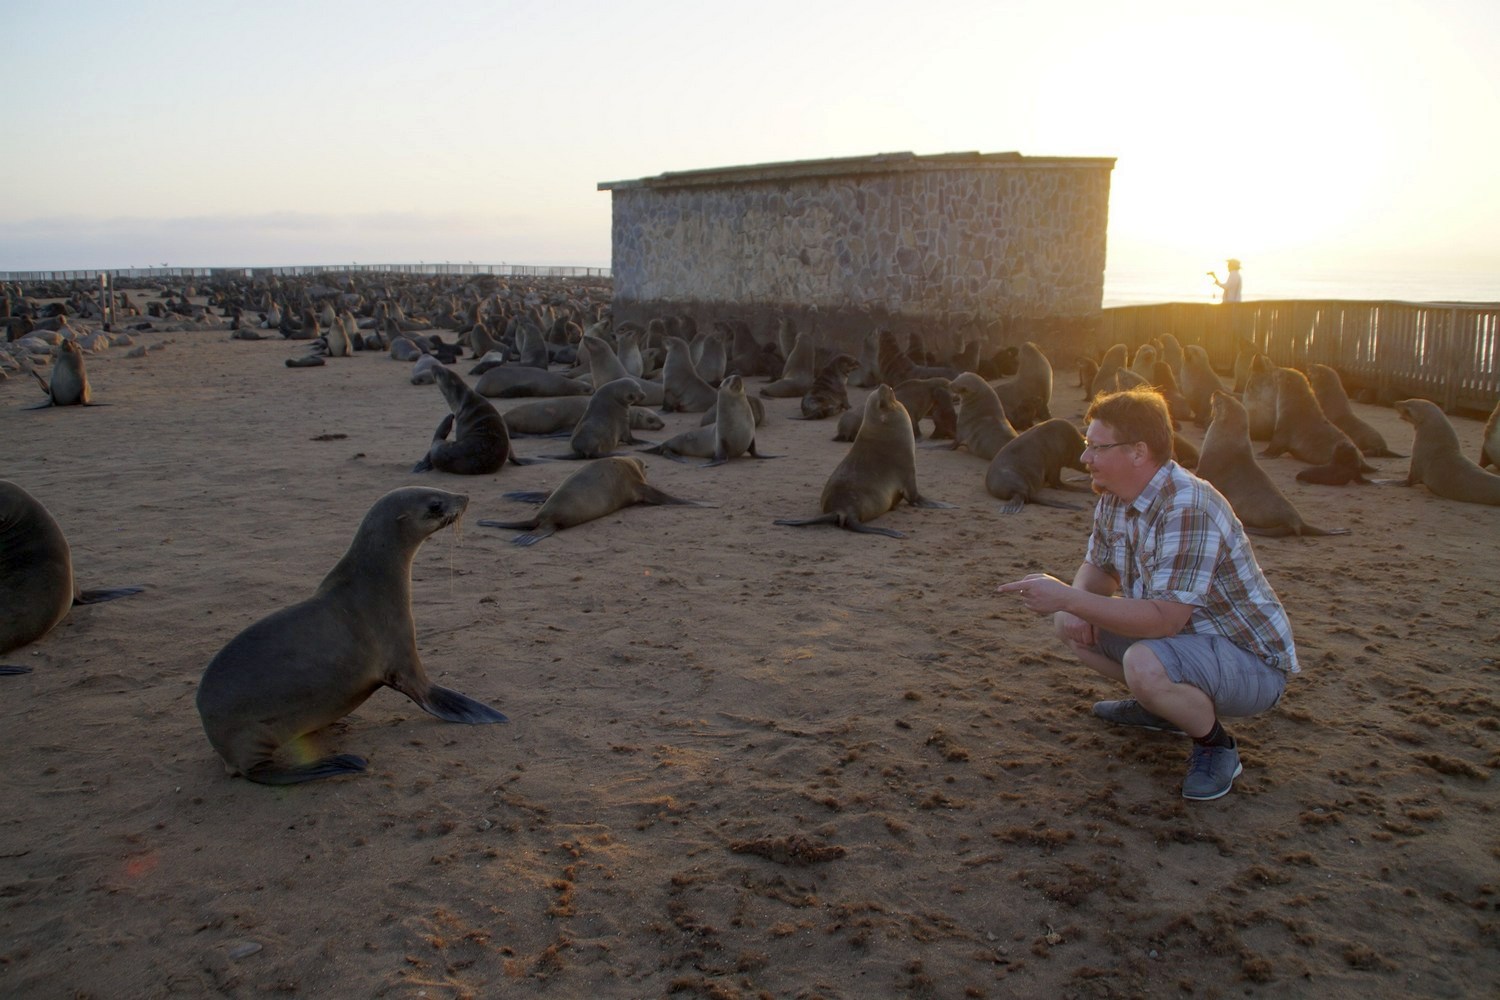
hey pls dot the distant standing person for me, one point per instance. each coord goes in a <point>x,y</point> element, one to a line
<point>1169,600</point>
<point>1231,284</point>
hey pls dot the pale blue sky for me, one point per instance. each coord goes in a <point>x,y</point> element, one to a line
<point>1310,133</point>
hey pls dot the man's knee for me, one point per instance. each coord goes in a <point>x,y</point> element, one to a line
<point>1143,667</point>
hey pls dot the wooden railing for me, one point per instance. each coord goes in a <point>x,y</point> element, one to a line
<point>1446,352</point>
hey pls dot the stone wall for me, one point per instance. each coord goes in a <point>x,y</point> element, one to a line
<point>1001,247</point>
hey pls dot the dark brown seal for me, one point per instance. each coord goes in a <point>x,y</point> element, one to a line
<point>1437,462</point>
<point>1343,470</point>
<point>829,395</point>
<point>1334,402</point>
<point>879,471</point>
<point>1035,459</point>
<point>480,444</point>
<point>1301,428</point>
<point>36,573</point>
<point>1227,462</point>
<point>599,488</point>
<point>308,665</point>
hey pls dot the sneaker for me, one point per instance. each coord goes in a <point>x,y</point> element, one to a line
<point>1211,772</point>
<point>1130,713</point>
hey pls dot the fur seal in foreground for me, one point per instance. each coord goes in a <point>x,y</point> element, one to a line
<point>1343,470</point>
<point>1035,459</point>
<point>480,442</point>
<point>1228,463</point>
<point>1301,428</point>
<point>1436,460</point>
<point>309,665</point>
<point>36,573</point>
<point>982,426</point>
<point>602,487</point>
<point>1334,402</point>
<point>879,471</point>
<point>730,435</point>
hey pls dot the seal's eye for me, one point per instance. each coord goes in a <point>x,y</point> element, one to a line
<point>434,506</point>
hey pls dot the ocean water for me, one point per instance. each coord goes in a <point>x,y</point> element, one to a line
<point>1129,287</point>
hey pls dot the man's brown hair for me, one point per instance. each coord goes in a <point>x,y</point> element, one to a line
<point>1138,414</point>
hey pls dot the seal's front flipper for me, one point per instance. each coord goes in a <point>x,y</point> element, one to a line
<point>526,496</point>
<point>99,595</point>
<point>268,773</point>
<point>454,707</point>
<point>9,670</point>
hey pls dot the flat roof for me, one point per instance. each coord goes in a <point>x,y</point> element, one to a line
<point>880,163</point>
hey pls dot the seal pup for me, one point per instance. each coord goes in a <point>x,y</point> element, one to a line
<point>879,471</point>
<point>797,374</point>
<point>1260,398</point>
<point>605,423</point>
<point>1334,402</point>
<point>1343,470</point>
<point>1301,427</point>
<point>309,665</point>
<point>829,395</point>
<point>36,573</point>
<point>683,389</point>
<point>1436,460</point>
<point>982,426</point>
<point>730,435</point>
<point>1199,382</point>
<point>605,367</point>
<point>551,417</point>
<point>1027,395</point>
<point>480,442</point>
<point>69,384</point>
<point>1489,444</point>
<point>1228,463</point>
<point>1035,459</point>
<point>602,487</point>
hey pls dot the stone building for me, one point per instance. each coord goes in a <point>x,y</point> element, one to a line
<point>998,246</point>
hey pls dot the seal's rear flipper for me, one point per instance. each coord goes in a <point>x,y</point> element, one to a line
<point>532,537</point>
<point>101,594</point>
<point>650,494</point>
<point>8,670</point>
<point>851,524</point>
<point>933,504</point>
<point>526,525</point>
<point>1013,505</point>
<point>451,706</point>
<point>329,767</point>
<point>525,496</point>
<point>425,465</point>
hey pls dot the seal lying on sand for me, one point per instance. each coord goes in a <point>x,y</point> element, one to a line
<point>1228,464</point>
<point>36,573</point>
<point>730,435</point>
<point>309,665</point>
<point>879,471</point>
<point>602,487</point>
<point>1436,461</point>
<point>547,417</point>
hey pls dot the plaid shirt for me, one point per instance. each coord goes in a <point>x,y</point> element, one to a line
<point>1179,541</point>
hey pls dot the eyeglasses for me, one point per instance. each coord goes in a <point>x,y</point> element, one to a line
<point>1089,446</point>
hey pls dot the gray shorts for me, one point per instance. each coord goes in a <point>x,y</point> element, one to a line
<point>1239,682</point>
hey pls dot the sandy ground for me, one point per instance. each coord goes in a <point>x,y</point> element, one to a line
<point>744,760</point>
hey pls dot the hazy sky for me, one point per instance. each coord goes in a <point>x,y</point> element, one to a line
<point>1316,134</point>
